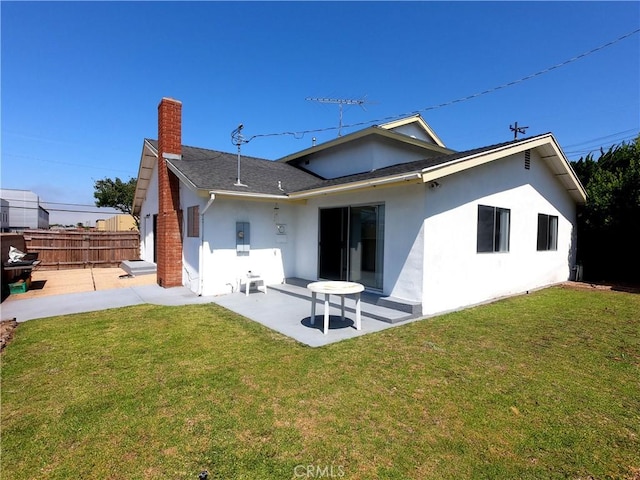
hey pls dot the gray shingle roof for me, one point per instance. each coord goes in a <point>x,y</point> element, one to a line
<point>215,170</point>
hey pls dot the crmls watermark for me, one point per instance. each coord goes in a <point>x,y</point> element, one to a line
<point>318,471</point>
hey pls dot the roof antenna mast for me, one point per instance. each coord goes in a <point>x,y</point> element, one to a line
<point>516,130</point>
<point>340,102</point>
<point>238,139</point>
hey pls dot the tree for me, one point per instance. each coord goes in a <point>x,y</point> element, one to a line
<point>609,223</point>
<point>116,194</point>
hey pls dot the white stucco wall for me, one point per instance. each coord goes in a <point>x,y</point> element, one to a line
<point>455,275</point>
<point>148,209</point>
<point>190,245</point>
<point>271,255</point>
<point>403,240</point>
<point>362,156</point>
<point>415,131</point>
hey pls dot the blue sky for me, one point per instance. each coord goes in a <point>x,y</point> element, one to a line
<point>81,81</point>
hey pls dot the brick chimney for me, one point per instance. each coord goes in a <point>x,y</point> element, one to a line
<point>169,241</point>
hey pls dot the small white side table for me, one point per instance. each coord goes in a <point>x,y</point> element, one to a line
<point>335,288</point>
<point>250,278</point>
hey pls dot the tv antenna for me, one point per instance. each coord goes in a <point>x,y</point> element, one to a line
<point>340,102</point>
<point>516,130</point>
<point>238,139</point>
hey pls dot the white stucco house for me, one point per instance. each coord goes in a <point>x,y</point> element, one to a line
<point>389,206</point>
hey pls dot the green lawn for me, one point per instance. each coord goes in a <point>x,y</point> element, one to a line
<point>545,385</point>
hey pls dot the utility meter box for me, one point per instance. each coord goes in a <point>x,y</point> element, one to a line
<point>243,238</point>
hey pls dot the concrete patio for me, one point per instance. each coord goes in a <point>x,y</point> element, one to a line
<point>285,308</point>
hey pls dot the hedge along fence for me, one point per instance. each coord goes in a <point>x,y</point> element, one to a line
<point>63,250</point>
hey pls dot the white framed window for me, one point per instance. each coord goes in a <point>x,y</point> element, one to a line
<point>547,232</point>
<point>193,224</point>
<point>493,229</point>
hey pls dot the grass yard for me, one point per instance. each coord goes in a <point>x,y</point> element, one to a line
<point>545,385</point>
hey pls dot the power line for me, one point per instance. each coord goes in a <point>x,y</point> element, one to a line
<point>301,133</point>
<point>65,203</point>
<point>40,202</point>
<point>19,207</point>
<point>595,143</point>
<point>21,204</point>
<point>609,144</point>
<point>29,157</point>
<point>625,132</point>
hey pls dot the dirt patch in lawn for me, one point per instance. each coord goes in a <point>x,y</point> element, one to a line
<point>614,286</point>
<point>7,328</point>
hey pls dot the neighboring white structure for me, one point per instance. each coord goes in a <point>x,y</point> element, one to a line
<point>4,215</point>
<point>21,210</point>
<point>389,206</point>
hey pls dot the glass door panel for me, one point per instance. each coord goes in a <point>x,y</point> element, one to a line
<point>332,250</point>
<point>361,229</point>
<point>366,245</point>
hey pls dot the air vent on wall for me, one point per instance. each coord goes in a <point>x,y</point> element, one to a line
<point>527,159</point>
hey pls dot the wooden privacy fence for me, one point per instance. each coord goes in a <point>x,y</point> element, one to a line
<point>62,250</point>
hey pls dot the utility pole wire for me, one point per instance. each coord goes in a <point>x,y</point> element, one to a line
<point>301,133</point>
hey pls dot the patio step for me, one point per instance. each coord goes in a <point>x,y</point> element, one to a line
<point>413,308</point>
<point>370,306</point>
<point>138,267</point>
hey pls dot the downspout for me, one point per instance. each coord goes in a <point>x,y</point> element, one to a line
<point>212,197</point>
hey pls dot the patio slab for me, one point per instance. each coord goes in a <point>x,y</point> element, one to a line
<point>285,308</point>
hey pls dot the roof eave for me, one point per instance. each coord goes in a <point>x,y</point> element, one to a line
<point>545,143</point>
<point>417,118</point>
<point>363,184</point>
<point>365,133</point>
<point>245,195</point>
<point>323,146</point>
<point>148,160</point>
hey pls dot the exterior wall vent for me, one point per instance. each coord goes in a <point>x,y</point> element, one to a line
<point>527,159</point>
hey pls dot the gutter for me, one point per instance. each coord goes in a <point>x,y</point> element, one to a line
<point>265,196</point>
<point>212,197</point>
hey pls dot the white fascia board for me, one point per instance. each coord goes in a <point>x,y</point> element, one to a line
<point>323,146</point>
<point>145,170</point>
<point>575,186</point>
<point>558,159</point>
<point>364,133</point>
<point>387,181</point>
<point>417,118</point>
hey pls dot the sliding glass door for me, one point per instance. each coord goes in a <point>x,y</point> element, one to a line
<point>351,244</point>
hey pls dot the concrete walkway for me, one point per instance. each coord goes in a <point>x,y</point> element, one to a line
<point>285,308</point>
<point>65,304</point>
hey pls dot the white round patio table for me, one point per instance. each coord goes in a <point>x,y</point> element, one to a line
<point>334,288</point>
